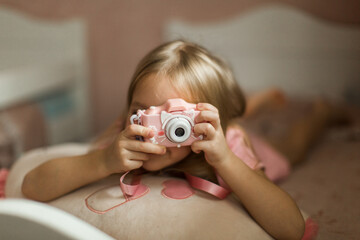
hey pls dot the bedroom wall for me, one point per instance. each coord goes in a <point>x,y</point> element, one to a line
<point>121,32</point>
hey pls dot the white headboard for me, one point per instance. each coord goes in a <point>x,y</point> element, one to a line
<point>281,46</point>
<point>46,61</point>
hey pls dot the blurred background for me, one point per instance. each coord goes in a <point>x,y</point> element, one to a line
<point>65,66</point>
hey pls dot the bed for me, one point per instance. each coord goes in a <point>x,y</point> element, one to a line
<point>44,83</point>
<point>307,57</point>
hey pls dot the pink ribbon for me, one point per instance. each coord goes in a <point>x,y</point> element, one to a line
<point>220,191</point>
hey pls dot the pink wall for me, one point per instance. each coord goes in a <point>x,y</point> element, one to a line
<point>121,32</point>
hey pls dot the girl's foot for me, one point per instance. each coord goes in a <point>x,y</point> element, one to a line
<point>331,114</point>
<point>272,98</point>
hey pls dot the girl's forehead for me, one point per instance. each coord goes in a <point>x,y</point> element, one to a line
<point>154,91</point>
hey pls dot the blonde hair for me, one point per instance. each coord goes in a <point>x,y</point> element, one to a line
<point>201,77</point>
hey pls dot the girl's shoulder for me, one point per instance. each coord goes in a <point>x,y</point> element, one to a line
<point>273,162</point>
<point>239,143</point>
<point>237,132</point>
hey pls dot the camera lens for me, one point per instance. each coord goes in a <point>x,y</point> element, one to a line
<point>179,132</point>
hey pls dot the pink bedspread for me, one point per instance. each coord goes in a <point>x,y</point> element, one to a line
<point>311,227</point>
<point>3,175</point>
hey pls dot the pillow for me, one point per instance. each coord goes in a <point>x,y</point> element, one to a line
<point>151,216</point>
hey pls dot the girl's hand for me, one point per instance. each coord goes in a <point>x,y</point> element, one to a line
<point>214,143</point>
<point>126,153</point>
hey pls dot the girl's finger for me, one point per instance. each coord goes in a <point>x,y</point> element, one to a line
<point>139,156</point>
<point>131,160</point>
<point>205,129</point>
<point>134,130</point>
<point>206,106</point>
<point>144,147</point>
<point>209,116</point>
<point>133,164</point>
<point>199,146</point>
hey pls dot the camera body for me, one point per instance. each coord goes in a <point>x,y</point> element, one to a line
<point>173,123</point>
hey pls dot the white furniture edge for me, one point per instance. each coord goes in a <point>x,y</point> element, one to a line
<point>12,81</point>
<point>48,217</point>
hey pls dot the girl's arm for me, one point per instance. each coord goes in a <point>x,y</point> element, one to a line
<point>62,175</point>
<point>269,205</point>
<point>59,176</point>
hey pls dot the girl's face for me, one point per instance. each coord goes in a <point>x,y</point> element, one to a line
<point>154,91</point>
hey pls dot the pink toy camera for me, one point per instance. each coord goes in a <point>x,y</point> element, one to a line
<point>173,123</point>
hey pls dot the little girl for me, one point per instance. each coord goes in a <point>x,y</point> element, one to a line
<point>184,70</point>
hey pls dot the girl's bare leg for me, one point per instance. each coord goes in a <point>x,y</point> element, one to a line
<point>304,133</point>
<point>301,133</point>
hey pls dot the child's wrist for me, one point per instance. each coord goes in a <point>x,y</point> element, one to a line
<point>227,162</point>
<point>101,159</point>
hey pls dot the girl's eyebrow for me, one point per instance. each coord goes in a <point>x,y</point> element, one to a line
<point>139,105</point>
